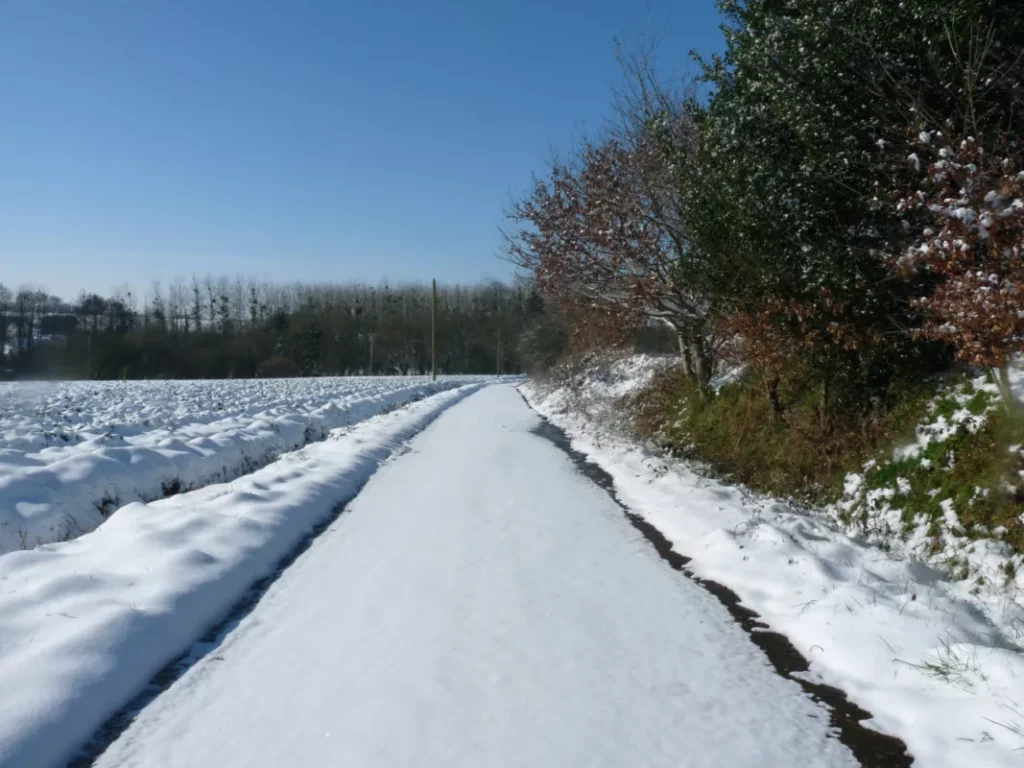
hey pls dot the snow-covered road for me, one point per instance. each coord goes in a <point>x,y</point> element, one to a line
<point>482,604</point>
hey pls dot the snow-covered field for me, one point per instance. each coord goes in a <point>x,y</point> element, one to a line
<point>938,663</point>
<point>87,623</point>
<point>72,453</point>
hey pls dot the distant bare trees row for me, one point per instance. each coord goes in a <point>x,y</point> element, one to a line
<point>22,316</point>
<point>217,326</point>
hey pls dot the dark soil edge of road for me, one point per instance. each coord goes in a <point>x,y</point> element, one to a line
<point>871,748</point>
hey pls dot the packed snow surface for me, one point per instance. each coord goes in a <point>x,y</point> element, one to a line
<point>938,663</point>
<point>482,604</point>
<point>72,453</point>
<point>87,623</point>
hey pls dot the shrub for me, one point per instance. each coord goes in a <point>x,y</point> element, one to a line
<point>737,432</point>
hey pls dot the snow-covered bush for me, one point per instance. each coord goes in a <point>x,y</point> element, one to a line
<point>951,496</point>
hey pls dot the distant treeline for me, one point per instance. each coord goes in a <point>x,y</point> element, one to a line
<point>216,328</point>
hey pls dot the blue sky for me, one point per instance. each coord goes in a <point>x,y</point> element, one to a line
<point>305,140</point>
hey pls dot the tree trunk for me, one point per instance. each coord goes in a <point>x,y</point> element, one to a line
<point>771,386</point>
<point>1002,375</point>
<point>700,359</point>
<point>684,353</point>
<point>825,413</point>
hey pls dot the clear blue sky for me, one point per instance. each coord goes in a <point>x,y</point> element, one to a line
<point>328,140</point>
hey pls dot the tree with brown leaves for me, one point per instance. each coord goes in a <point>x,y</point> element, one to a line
<point>973,246</point>
<point>604,234</point>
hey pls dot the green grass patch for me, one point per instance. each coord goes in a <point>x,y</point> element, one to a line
<point>737,432</point>
<point>806,454</point>
<point>975,473</point>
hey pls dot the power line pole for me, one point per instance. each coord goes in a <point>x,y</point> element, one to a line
<point>433,329</point>
<point>498,355</point>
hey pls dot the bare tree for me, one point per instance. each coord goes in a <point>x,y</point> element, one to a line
<point>6,298</point>
<point>29,303</point>
<point>158,307</point>
<point>606,234</point>
<point>211,302</point>
<point>197,305</point>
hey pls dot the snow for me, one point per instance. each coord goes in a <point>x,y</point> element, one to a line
<point>940,429</point>
<point>624,375</point>
<point>87,623</point>
<point>601,381</point>
<point>937,666</point>
<point>482,604</point>
<point>72,453</point>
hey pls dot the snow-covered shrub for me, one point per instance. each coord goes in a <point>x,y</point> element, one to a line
<point>951,497</point>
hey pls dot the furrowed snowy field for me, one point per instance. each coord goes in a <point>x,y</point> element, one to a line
<point>72,453</point>
<point>938,662</point>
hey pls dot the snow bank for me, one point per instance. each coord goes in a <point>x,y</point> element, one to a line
<point>72,453</point>
<point>597,382</point>
<point>937,666</point>
<point>87,623</point>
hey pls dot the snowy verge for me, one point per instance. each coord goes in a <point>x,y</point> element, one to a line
<point>71,454</point>
<point>87,623</point>
<point>937,666</point>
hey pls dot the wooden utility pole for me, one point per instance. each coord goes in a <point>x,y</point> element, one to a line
<point>497,356</point>
<point>433,329</point>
